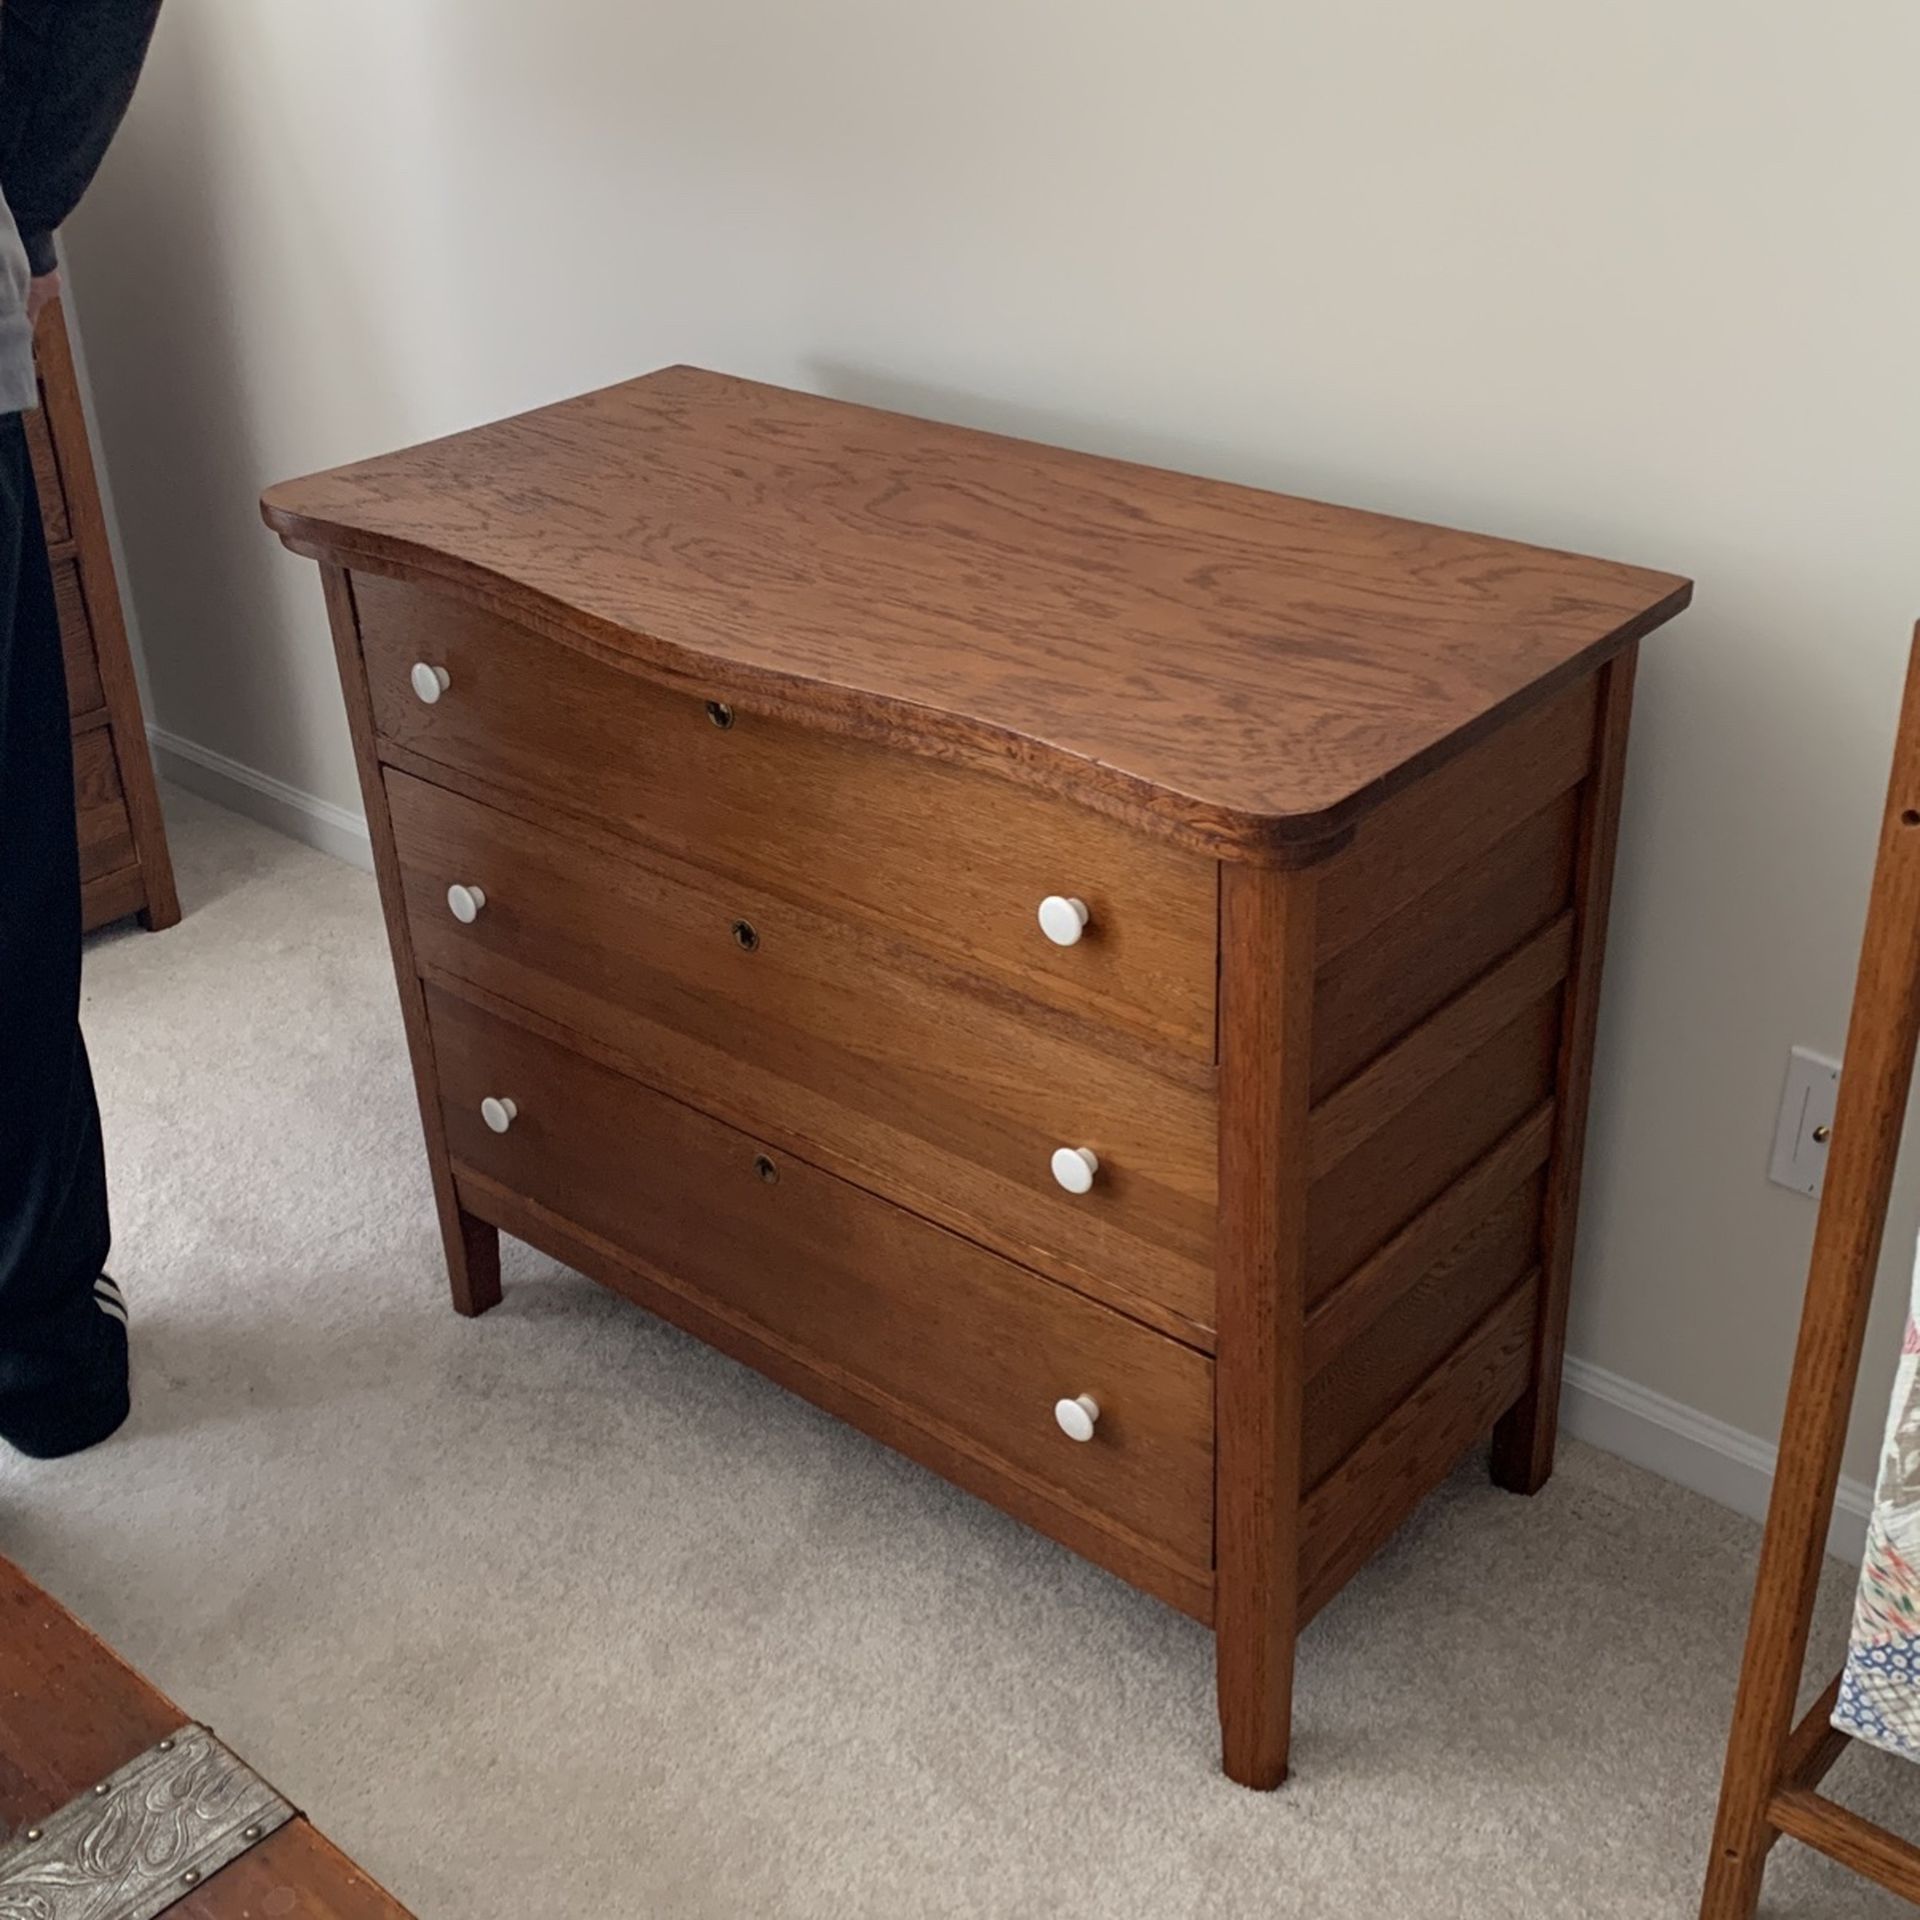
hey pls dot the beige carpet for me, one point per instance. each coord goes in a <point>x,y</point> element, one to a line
<point>558,1613</point>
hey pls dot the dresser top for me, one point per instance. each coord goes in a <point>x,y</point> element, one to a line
<point>1244,671</point>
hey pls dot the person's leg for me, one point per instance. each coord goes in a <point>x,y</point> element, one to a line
<point>63,1342</point>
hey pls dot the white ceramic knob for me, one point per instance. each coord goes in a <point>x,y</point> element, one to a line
<point>1077,1416</point>
<point>498,1114</point>
<point>1074,1168</point>
<point>430,682</point>
<point>1063,920</point>
<point>464,903</point>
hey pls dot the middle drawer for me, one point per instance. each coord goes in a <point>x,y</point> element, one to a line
<point>808,1029</point>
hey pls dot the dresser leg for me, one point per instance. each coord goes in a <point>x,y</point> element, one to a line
<point>1525,1439</point>
<point>473,1263</point>
<point>1266,983</point>
<point>1254,1676</point>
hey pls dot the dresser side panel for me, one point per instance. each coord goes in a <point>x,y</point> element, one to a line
<point>1450,985</point>
<point>1525,1441</point>
<point>472,1248</point>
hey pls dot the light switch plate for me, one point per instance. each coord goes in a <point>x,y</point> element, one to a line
<point>1806,1119</point>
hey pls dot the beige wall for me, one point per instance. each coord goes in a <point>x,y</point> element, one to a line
<point>1638,278</point>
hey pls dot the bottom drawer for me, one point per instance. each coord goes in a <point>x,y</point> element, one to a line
<point>957,1340</point>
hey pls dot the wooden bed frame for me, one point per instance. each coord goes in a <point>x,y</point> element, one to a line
<point>1775,1766</point>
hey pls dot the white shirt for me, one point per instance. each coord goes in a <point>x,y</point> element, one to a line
<point>18,390</point>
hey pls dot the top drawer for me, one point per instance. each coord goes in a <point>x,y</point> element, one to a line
<point>944,856</point>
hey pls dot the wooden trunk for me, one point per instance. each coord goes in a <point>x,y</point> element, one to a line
<point>72,1713</point>
<point>1088,974</point>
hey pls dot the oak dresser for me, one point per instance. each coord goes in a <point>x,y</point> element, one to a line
<point>124,863</point>
<point>1087,973</point>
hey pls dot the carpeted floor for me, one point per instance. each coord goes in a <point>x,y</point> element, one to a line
<point>556,1612</point>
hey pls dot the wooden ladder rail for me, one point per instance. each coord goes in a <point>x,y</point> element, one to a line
<point>1773,1766</point>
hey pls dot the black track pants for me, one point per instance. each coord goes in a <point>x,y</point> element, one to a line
<point>63,1343</point>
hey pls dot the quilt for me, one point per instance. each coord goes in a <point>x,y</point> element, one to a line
<point>1880,1689</point>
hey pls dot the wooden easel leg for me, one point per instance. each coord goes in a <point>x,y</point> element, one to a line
<point>1525,1439</point>
<point>1734,1873</point>
<point>1878,1073</point>
<point>1266,932</point>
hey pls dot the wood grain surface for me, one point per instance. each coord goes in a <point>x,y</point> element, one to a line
<point>1346,1120</point>
<point>1407,1162</point>
<point>1266,1054</point>
<point>1343,1316</point>
<point>1523,1446</point>
<point>100,804</point>
<point>1451,822</point>
<point>72,1712</point>
<point>1869,1849</point>
<point>88,591</point>
<point>767,723</point>
<point>1417,959</point>
<point>46,475</point>
<point>949,1334</point>
<point>1354,1511</point>
<point>1347,1399</point>
<point>939,855</point>
<point>826,1037</point>
<point>1033,1501</point>
<point>108,896</point>
<point>1815,1743</point>
<point>472,1247</point>
<point>1758,1798</point>
<point>1243,670</point>
<point>84,691</point>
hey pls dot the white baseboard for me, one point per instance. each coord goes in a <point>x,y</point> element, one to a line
<point>1693,1450</point>
<point>259,796</point>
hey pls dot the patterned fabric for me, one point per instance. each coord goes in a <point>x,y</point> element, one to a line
<point>1880,1690</point>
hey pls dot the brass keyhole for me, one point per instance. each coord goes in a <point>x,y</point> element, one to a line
<point>719,713</point>
<point>744,936</point>
<point>765,1168</point>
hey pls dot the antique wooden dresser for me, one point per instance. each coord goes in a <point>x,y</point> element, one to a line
<point>1086,973</point>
